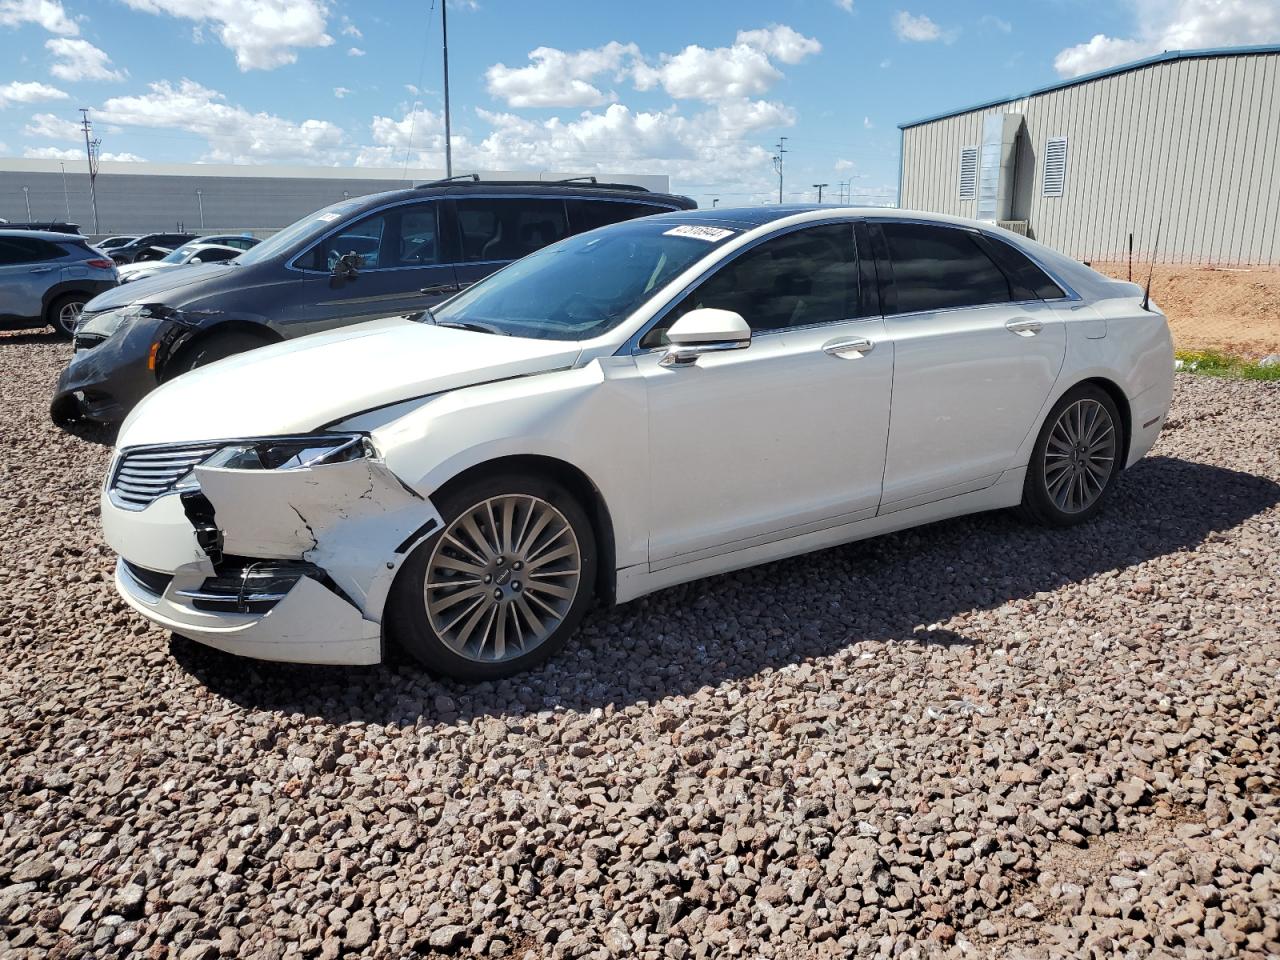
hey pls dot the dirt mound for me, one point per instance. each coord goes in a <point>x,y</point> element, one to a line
<point>1236,309</point>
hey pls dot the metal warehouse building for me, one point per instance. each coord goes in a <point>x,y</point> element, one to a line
<point>152,197</point>
<point>1185,143</point>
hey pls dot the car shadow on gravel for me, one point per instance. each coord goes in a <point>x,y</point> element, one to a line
<point>14,338</point>
<point>888,589</point>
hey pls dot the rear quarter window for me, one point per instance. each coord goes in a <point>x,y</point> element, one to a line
<point>586,215</point>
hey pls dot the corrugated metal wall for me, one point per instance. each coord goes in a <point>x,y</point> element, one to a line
<point>1189,146</point>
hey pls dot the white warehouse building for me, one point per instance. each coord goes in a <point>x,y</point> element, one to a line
<point>205,197</point>
<point>1184,145</point>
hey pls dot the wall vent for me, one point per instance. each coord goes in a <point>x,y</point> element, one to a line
<point>1055,166</point>
<point>968,173</point>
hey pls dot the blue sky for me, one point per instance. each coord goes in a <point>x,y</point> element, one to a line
<point>699,90</point>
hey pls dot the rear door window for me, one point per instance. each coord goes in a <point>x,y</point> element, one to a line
<point>1025,275</point>
<point>364,238</point>
<point>14,250</point>
<point>938,268</point>
<point>419,246</point>
<point>508,228</point>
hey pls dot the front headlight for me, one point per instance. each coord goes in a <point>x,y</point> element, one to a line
<point>105,324</point>
<point>285,453</point>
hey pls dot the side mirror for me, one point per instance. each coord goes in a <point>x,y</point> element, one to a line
<point>348,266</point>
<point>196,260</point>
<point>705,330</point>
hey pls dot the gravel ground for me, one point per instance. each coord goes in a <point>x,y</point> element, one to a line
<point>977,739</point>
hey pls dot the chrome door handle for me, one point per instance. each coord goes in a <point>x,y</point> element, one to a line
<point>1024,327</point>
<point>40,270</point>
<point>848,348</point>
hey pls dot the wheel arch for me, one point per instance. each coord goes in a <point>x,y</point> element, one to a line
<point>581,486</point>
<point>1118,397</point>
<point>231,325</point>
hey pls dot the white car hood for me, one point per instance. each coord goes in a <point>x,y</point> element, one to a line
<point>301,385</point>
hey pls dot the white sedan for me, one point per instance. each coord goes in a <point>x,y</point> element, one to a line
<point>189,254</point>
<point>631,408</point>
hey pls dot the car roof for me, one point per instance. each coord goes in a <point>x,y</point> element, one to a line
<point>44,235</point>
<point>212,246</point>
<point>524,188</point>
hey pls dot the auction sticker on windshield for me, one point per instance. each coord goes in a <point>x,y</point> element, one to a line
<point>709,234</point>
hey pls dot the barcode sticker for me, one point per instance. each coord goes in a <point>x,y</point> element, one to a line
<point>709,234</point>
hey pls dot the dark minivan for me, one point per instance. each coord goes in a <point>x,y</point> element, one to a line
<point>363,258</point>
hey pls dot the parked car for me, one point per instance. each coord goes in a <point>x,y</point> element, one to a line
<point>639,406</point>
<point>189,254</point>
<point>241,241</point>
<point>47,278</point>
<point>150,246</point>
<point>108,244</point>
<point>391,253</point>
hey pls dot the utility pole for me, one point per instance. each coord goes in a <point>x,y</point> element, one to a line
<point>200,200</point>
<point>448,139</point>
<point>777,163</point>
<point>66,197</point>
<point>91,151</point>
<point>26,195</point>
<point>820,186</point>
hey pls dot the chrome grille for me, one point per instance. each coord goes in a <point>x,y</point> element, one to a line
<point>142,476</point>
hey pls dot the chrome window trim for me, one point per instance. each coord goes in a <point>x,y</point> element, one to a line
<point>291,263</point>
<point>632,346</point>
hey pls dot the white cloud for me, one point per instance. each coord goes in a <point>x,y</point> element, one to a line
<point>1177,25</point>
<point>341,92</point>
<point>780,42</point>
<point>234,134</point>
<point>21,91</point>
<point>867,124</point>
<point>555,78</point>
<point>263,34</point>
<point>920,28</point>
<point>49,14</point>
<point>71,153</point>
<point>355,52</point>
<point>53,127</point>
<point>350,29</point>
<point>996,23</point>
<point>80,60</point>
<point>845,5</point>
<point>843,165</point>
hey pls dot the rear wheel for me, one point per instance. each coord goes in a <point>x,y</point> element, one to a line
<point>64,313</point>
<point>1075,460</point>
<point>211,349</point>
<point>502,586</point>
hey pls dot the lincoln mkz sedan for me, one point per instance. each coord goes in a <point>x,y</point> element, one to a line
<point>634,407</point>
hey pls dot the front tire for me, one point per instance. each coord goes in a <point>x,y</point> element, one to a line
<point>502,586</point>
<point>1076,459</point>
<point>211,349</point>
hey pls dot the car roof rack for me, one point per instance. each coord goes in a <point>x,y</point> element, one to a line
<point>584,181</point>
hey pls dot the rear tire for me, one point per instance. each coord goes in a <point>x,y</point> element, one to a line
<point>210,349</point>
<point>1076,459</point>
<point>64,313</point>
<point>502,586</point>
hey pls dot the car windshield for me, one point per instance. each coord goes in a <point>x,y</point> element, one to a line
<point>583,286</point>
<point>300,232</point>
<point>180,255</point>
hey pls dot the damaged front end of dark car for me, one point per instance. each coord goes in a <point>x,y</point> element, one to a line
<point>120,356</point>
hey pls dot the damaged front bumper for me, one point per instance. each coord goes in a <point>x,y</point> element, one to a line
<point>287,565</point>
<point>106,378</point>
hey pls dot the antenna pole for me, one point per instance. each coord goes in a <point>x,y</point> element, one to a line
<point>777,163</point>
<point>1151,271</point>
<point>91,152</point>
<point>448,139</point>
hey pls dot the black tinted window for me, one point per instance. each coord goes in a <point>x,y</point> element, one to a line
<point>935,268</point>
<point>1024,274</point>
<point>28,250</point>
<point>806,277</point>
<point>216,256</point>
<point>508,229</point>
<point>589,214</point>
<point>418,246</point>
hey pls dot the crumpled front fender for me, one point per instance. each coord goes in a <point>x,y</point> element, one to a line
<point>356,520</point>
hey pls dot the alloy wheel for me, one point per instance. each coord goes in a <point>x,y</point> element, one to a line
<point>502,577</point>
<point>69,316</point>
<point>1080,456</point>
